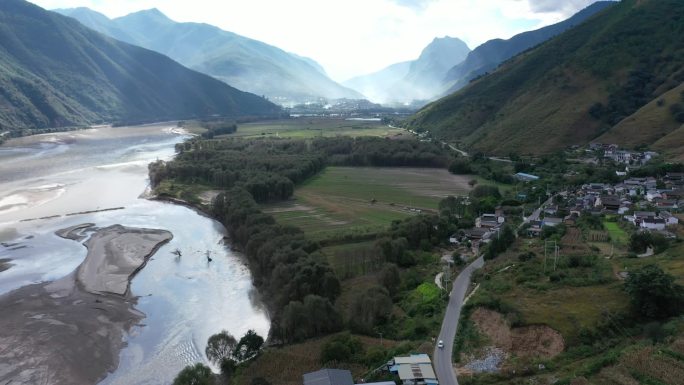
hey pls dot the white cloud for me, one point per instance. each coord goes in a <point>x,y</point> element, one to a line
<point>352,37</point>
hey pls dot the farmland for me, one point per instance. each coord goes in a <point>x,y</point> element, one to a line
<point>617,234</point>
<point>316,127</point>
<point>364,200</point>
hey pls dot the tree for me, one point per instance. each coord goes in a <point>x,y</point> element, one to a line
<point>390,277</point>
<point>220,346</point>
<point>500,243</point>
<point>654,293</point>
<point>248,346</point>
<point>370,309</point>
<point>460,167</point>
<point>484,191</point>
<point>197,374</point>
<point>341,348</point>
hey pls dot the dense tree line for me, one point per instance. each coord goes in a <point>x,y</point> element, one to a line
<point>268,169</point>
<point>382,152</point>
<point>287,268</point>
<point>218,128</point>
<point>480,165</point>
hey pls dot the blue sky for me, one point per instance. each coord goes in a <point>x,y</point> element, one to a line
<point>353,37</point>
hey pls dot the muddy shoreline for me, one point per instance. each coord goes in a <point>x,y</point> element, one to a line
<point>70,331</point>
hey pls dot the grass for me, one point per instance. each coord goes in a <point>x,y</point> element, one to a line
<point>189,192</point>
<point>573,303</point>
<point>346,200</point>
<point>567,309</point>
<point>617,234</point>
<point>316,127</point>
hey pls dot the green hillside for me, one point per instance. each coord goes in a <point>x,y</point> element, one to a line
<point>54,72</point>
<point>572,89</point>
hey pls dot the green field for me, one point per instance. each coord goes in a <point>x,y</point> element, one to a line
<point>316,127</point>
<point>346,200</point>
<point>617,234</point>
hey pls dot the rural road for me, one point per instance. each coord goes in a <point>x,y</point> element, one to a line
<point>442,357</point>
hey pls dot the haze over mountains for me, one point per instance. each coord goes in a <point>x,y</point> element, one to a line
<point>54,72</point>
<point>447,65</point>
<point>617,78</point>
<point>415,80</point>
<point>244,63</point>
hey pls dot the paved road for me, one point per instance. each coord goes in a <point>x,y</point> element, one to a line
<point>442,357</point>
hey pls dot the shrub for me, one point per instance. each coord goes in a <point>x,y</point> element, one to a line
<point>197,374</point>
<point>654,293</point>
<point>341,348</point>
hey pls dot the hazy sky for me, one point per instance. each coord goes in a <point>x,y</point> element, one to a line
<point>352,37</point>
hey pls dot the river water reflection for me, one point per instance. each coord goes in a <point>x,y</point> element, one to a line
<point>185,299</point>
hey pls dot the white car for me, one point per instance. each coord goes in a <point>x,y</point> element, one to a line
<point>440,344</point>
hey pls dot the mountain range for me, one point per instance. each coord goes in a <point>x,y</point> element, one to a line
<point>615,78</point>
<point>244,63</point>
<point>421,79</point>
<point>489,55</point>
<point>54,72</point>
<point>442,69</point>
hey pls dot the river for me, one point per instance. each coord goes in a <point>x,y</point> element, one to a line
<point>185,299</point>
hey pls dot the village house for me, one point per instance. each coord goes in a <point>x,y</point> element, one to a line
<point>551,221</point>
<point>521,176</point>
<point>670,220</point>
<point>415,369</point>
<point>329,377</point>
<point>652,195</point>
<point>653,223</point>
<point>610,203</point>
<point>639,216</point>
<point>490,221</point>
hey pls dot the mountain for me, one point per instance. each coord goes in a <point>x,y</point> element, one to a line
<point>489,55</point>
<point>420,79</point>
<point>55,72</point>
<point>247,64</point>
<point>376,85</point>
<point>582,84</point>
<point>427,73</point>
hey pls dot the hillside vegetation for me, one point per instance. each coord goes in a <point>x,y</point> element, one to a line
<point>489,55</point>
<point>54,72</point>
<point>574,88</point>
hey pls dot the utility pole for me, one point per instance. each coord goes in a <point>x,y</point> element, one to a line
<point>555,260</point>
<point>545,256</point>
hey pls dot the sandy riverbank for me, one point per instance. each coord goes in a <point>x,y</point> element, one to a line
<point>70,331</point>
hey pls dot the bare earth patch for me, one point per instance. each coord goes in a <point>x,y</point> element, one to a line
<point>535,341</point>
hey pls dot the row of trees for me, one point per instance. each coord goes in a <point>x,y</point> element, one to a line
<point>288,269</point>
<point>218,128</point>
<point>382,152</point>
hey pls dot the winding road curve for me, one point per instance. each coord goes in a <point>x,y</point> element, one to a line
<point>442,357</point>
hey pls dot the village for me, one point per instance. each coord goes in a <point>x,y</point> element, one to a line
<point>646,203</point>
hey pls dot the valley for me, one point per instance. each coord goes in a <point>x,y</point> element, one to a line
<point>189,198</point>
